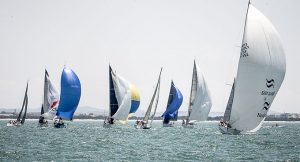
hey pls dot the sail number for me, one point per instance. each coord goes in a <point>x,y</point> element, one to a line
<point>244,52</point>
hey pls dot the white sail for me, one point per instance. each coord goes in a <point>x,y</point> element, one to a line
<point>51,98</point>
<point>123,95</point>
<point>200,102</point>
<point>155,99</point>
<point>261,71</point>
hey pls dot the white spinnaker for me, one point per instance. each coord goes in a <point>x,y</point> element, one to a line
<point>123,95</point>
<point>202,102</point>
<point>51,99</point>
<point>261,71</point>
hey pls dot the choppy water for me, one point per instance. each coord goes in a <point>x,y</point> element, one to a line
<point>89,141</point>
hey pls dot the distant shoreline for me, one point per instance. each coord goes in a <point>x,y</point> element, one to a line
<point>101,120</point>
<point>80,117</point>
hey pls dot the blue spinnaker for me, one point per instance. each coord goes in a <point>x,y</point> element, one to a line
<point>174,103</point>
<point>70,94</point>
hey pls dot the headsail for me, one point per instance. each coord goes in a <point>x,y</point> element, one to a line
<point>261,71</point>
<point>70,94</point>
<point>174,103</point>
<point>200,101</point>
<point>51,98</point>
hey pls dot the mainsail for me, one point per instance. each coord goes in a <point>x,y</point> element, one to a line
<point>200,101</point>
<point>70,94</point>
<point>24,106</point>
<point>174,103</point>
<point>113,102</point>
<point>260,73</point>
<point>229,104</point>
<point>126,95</point>
<point>154,97</point>
<point>51,98</point>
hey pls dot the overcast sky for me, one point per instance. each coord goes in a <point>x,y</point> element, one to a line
<point>136,37</point>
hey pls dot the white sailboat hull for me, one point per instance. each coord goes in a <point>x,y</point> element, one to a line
<point>226,130</point>
<point>188,125</point>
<point>15,124</point>
<point>171,124</point>
<point>145,126</point>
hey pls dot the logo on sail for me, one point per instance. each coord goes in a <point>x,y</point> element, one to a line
<point>270,83</point>
<point>267,93</point>
<point>244,52</point>
<point>266,105</point>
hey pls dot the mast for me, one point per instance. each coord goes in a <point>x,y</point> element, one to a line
<point>193,91</point>
<point>146,118</point>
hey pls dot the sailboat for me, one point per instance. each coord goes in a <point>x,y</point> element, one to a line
<point>22,116</point>
<point>200,101</point>
<point>69,97</point>
<point>144,124</point>
<point>124,99</point>
<point>261,71</point>
<point>174,103</point>
<point>50,100</point>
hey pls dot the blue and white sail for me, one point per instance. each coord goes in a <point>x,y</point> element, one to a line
<point>260,73</point>
<point>174,103</point>
<point>70,94</point>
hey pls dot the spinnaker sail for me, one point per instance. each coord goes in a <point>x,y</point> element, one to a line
<point>124,98</point>
<point>70,94</point>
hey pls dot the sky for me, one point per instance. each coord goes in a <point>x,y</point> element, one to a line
<point>137,38</point>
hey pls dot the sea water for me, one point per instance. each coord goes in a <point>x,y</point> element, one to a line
<point>87,140</point>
